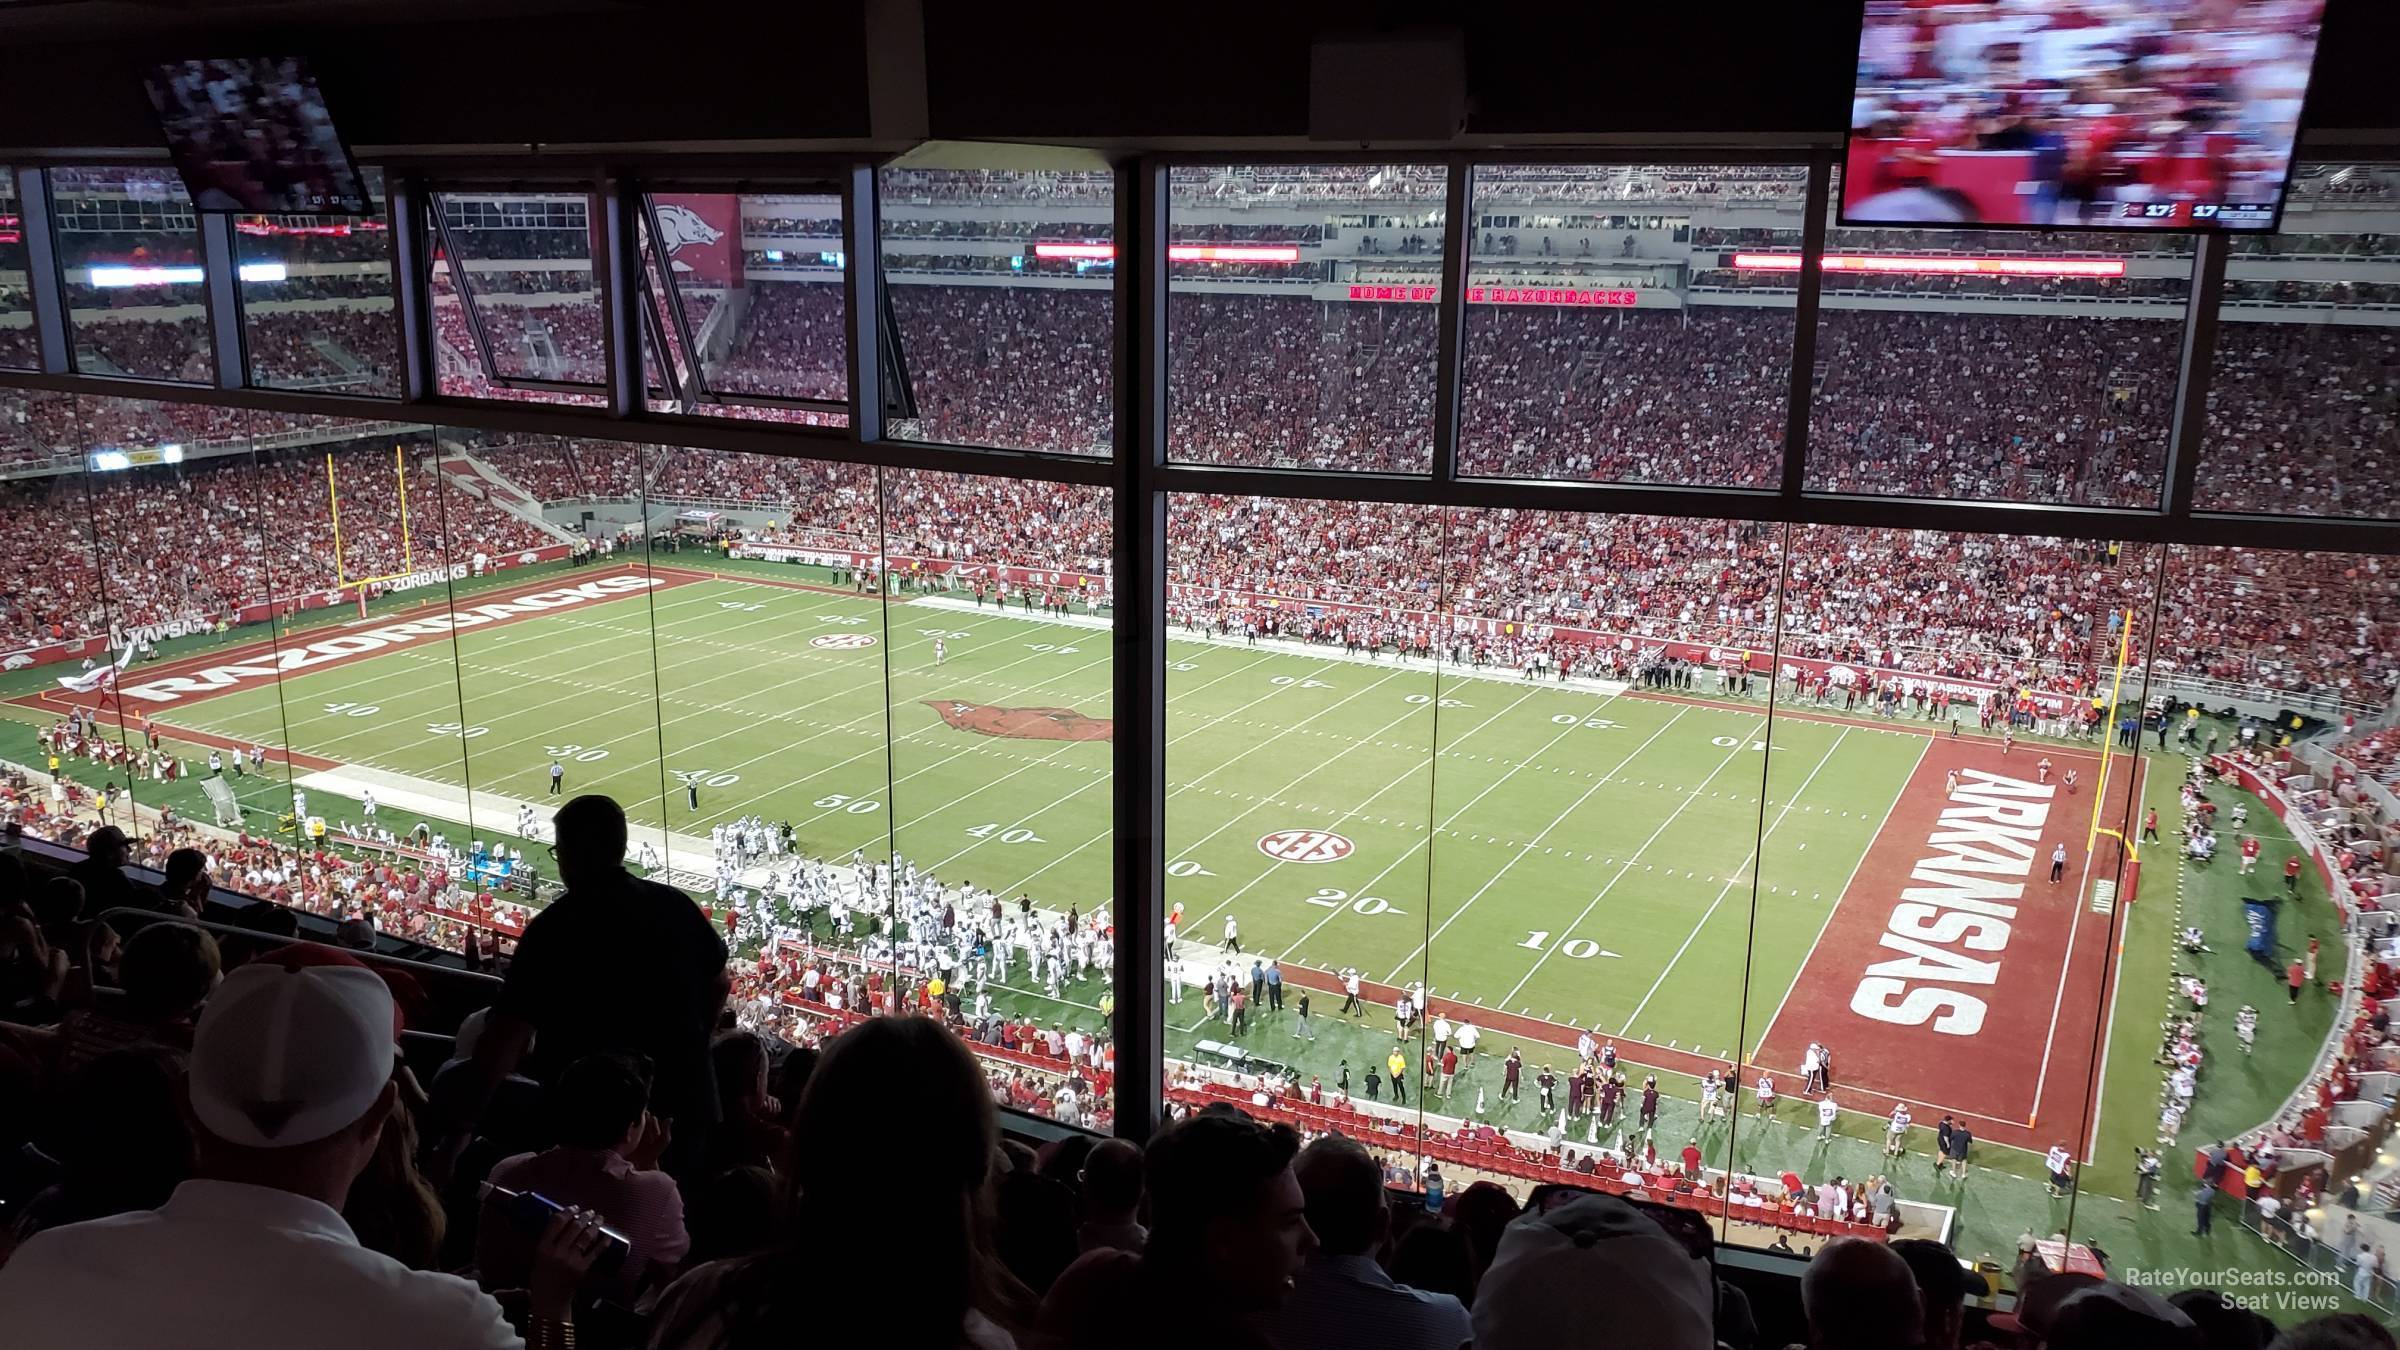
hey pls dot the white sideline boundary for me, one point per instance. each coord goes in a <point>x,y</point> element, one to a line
<point>1293,647</point>
<point>398,791</point>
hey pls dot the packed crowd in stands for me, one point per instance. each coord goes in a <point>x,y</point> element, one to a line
<point>2029,609</point>
<point>599,1155</point>
<point>199,542</point>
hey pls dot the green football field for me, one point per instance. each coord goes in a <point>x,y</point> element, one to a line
<point>1593,862</point>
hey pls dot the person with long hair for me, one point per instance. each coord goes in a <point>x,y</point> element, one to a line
<point>885,1230</point>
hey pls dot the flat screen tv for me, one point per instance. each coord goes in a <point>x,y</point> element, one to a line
<point>2077,114</point>
<point>252,134</point>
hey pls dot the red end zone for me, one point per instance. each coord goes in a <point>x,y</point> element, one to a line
<point>1952,973</point>
<point>147,690</point>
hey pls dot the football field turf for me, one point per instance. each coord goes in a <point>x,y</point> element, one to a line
<point>1575,856</point>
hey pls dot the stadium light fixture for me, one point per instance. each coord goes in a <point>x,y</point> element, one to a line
<point>1237,253</point>
<point>1892,264</point>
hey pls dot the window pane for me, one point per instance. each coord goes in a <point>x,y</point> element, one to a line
<point>997,658</point>
<point>765,311</point>
<point>18,350</point>
<point>524,271</point>
<point>1302,704</point>
<point>555,669</point>
<point>1000,284</point>
<point>1930,889</point>
<point>1996,365</point>
<point>2303,408</point>
<point>1600,340</point>
<point>129,250</point>
<point>1271,361</point>
<point>317,301</point>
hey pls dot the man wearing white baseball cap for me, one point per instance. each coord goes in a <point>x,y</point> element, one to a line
<point>289,1087</point>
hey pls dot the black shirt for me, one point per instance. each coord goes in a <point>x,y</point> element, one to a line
<point>635,967</point>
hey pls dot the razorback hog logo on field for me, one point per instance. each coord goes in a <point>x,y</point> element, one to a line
<point>1025,724</point>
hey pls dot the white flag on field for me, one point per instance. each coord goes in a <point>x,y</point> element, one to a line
<point>98,677</point>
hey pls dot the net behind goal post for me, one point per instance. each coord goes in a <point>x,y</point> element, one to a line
<point>220,796</point>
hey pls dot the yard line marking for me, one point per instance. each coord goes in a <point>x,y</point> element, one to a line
<point>1279,864</point>
<point>1844,889</point>
<point>1554,824</point>
<point>1181,788</point>
<point>1672,817</point>
<point>427,654</point>
<point>1750,862</point>
<point>1049,758</point>
<point>459,659</point>
<point>2066,963</point>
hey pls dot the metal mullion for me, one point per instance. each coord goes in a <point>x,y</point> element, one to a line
<point>692,386</point>
<point>1807,508</point>
<point>1804,326</point>
<point>621,295</point>
<point>2187,438</point>
<point>54,349</point>
<point>862,278</point>
<point>1449,359</point>
<point>796,404</point>
<point>220,293</point>
<point>1138,631</point>
<point>412,278</point>
<point>467,307</point>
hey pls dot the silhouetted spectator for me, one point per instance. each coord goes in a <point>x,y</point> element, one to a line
<point>1942,1288</point>
<point>1861,1295</point>
<point>890,1162</point>
<point>1226,1215</point>
<point>115,1126</point>
<point>617,963</point>
<point>1593,1271</point>
<point>101,873</point>
<point>1341,1288</point>
<point>1112,1197</point>
<point>605,1161</point>
<point>290,1087</point>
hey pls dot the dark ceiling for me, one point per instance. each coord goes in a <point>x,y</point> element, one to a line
<point>493,73</point>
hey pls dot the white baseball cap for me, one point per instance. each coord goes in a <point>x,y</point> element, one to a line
<point>292,1048</point>
<point>1593,1261</point>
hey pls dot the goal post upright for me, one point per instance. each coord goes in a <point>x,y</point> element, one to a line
<point>2116,694</point>
<point>342,580</point>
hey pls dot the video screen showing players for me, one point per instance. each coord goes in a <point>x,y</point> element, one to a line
<point>2139,114</point>
<point>253,135</point>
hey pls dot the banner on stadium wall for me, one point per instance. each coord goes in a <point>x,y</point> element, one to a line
<point>1089,582</point>
<point>1752,659</point>
<point>73,648</point>
<point>701,233</point>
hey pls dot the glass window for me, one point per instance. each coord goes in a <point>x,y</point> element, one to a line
<point>129,255</point>
<point>997,663</point>
<point>1940,869</point>
<point>18,350</point>
<point>317,301</point>
<point>1602,339</point>
<point>765,316</point>
<point>1300,323</point>
<point>1994,365</point>
<point>1000,284</point>
<point>2303,407</point>
<point>1303,702</point>
<point>517,305</point>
